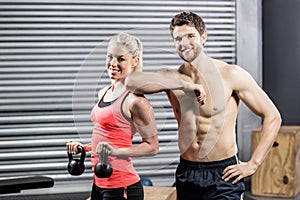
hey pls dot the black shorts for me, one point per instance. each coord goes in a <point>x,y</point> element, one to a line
<point>203,181</point>
<point>133,192</point>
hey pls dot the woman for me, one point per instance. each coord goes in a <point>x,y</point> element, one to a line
<point>117,116</point>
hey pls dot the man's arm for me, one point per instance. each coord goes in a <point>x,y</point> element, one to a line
<point>163,80</point>
<point>259,103</point>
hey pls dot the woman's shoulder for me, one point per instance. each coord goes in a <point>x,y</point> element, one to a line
<point>138,100</point>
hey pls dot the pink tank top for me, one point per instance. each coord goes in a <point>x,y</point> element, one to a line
<point>112,126</point>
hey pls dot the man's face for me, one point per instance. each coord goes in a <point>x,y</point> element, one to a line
<point>188,42</point>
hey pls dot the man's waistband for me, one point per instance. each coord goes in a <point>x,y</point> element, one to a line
<point>213,164</point>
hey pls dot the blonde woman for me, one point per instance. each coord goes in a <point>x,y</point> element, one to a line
<point>117,116</point>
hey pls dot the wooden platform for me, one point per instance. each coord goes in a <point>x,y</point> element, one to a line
<point>159,193</point>
<point>279,174</point>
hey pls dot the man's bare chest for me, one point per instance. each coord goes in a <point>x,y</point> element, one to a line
<point>187,105</point>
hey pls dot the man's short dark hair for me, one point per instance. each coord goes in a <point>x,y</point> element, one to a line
<point>188,18</point>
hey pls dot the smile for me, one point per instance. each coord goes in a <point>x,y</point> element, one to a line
<point>186,50</point>
<point>114,69</point>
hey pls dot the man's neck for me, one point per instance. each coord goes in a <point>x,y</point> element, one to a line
<point>202,63</point>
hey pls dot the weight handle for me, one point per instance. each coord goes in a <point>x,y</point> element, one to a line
<point>80,150</point>
<point>83,154</point>
<point>70,156</point>
<point>104,155</point>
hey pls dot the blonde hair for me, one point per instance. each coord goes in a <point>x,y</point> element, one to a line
<point>133,44</point>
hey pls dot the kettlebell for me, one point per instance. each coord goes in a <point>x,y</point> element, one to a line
<point>103,168</point>
<point>76,167</point>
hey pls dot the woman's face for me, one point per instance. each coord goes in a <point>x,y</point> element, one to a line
<point>119,62</point>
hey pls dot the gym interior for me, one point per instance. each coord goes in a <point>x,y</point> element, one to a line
<point>52,66</point>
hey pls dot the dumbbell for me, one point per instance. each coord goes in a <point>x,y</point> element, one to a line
<point>76,167</point>
<point>103,169</point>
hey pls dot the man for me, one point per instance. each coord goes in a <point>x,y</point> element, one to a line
<point>209,168</point>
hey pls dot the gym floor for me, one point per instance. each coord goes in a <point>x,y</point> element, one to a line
<point>84,196</point>
<point>66,192</point>
<point>67,196</point>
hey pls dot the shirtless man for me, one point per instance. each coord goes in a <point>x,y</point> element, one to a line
<point>209,168</point>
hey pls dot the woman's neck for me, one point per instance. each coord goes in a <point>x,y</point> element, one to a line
<point>116,89</point>
<point>117,85</point>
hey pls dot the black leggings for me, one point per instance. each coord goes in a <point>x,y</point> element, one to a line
<point>134,192</point>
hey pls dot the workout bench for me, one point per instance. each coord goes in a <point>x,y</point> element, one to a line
<point>15,185</point>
